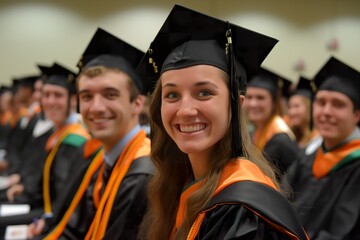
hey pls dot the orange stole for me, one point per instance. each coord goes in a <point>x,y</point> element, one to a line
<point>236,171</point>
<point>139,146</point>
<point>53,144</point>
<point>15,118</point>
<point>325,162</point>
<point>275,126</point>
<point>6,118</point>
<point>90,148</point>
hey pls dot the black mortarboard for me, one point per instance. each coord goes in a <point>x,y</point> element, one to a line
<point>45,70</point>
<point>189,38</point>
<point>61,76</point>
<point>278,86</point>
<point>183,25</point>
<point>4,89</point>
<point>107,50</point>
<point>339,77</point>
<point>272,82</point>
<point>28,81</point>
<point>305,87</point>
<point>15,84</point>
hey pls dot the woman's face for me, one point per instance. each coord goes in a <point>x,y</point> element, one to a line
<point>259,105</point>
<point>298,111</point>
<point>195,107</point>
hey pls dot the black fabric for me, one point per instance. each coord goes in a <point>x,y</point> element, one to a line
<point>282,151</point>
<point>128,209</point>
<point>32,171</point>
<point>337,76</point>
<point>106,50</point>
<point>270,81</point>
<point>67,159</point>
<point>186,25</point>
<point>256,197</point>
<point>329,208</point>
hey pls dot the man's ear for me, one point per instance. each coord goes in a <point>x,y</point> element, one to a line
<point>357,116</point>
<point>139,104</point>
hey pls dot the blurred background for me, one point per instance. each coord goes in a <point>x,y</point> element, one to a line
<point>44,31</point>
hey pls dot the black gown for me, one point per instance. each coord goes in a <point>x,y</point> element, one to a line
<point>282,151</point>
<point>329,207</point>
<point>127,212</point>
<point>248,204</point>
<point>68,158</point>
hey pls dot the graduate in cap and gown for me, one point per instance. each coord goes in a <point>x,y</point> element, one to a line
<point>211,181</point>
<point>20,131</point>
<point>63,150</point>
<point>263,104</point>
<point>110,201</point>
<point>299,112</point>
<point>326,182</point>
<point>26,189</point>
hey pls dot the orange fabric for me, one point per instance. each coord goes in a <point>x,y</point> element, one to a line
<point>236,171</point>
<point>53,144</point>
<point>15,118</point>
<point>91,147</point>
<point>137,147</point>
<point>76,128</point>
<point>324,162</point>
<point>232,173</point>
<point>32,112</point>
<point>6,117</point>
<point>275,126</point>
<point>94,166</point>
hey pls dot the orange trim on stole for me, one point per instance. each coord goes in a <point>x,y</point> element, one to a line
<point>52,146</point>
<point>324,162</point>
<point>236,171</point>
<point>136,148</point>
<point>275,126</point>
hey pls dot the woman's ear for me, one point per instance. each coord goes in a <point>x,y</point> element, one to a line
<point>242,100</point>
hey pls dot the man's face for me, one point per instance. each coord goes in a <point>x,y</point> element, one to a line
<point>334,116</point>
<point>106,108</point>
<point>55,102</point>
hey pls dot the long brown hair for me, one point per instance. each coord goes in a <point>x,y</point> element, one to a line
<point>174,170</point>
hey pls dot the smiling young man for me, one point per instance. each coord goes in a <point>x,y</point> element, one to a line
<point>326,182</point>
<point>111,199</point>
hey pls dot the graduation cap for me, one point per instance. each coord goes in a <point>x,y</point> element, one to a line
<point>45,70</point>
<point>305,87</point>
<point>278,86</point>
<point>107,50</point>
<point>61,76</point>
<point>204,40</point>
<point>28,81</point>
<point>189,38</point>
<point>4,89</point>
<point>15,84</point>
<point>337,76</point>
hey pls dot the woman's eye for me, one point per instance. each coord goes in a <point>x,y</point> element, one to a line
<point>171,95</point>
<point>204,94</point>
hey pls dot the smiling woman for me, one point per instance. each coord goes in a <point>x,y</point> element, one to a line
<point>210,180</point>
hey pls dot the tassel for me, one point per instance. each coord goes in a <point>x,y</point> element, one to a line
<point>234,101</point>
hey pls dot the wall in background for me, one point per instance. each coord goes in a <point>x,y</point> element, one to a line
<point>45,31</point>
